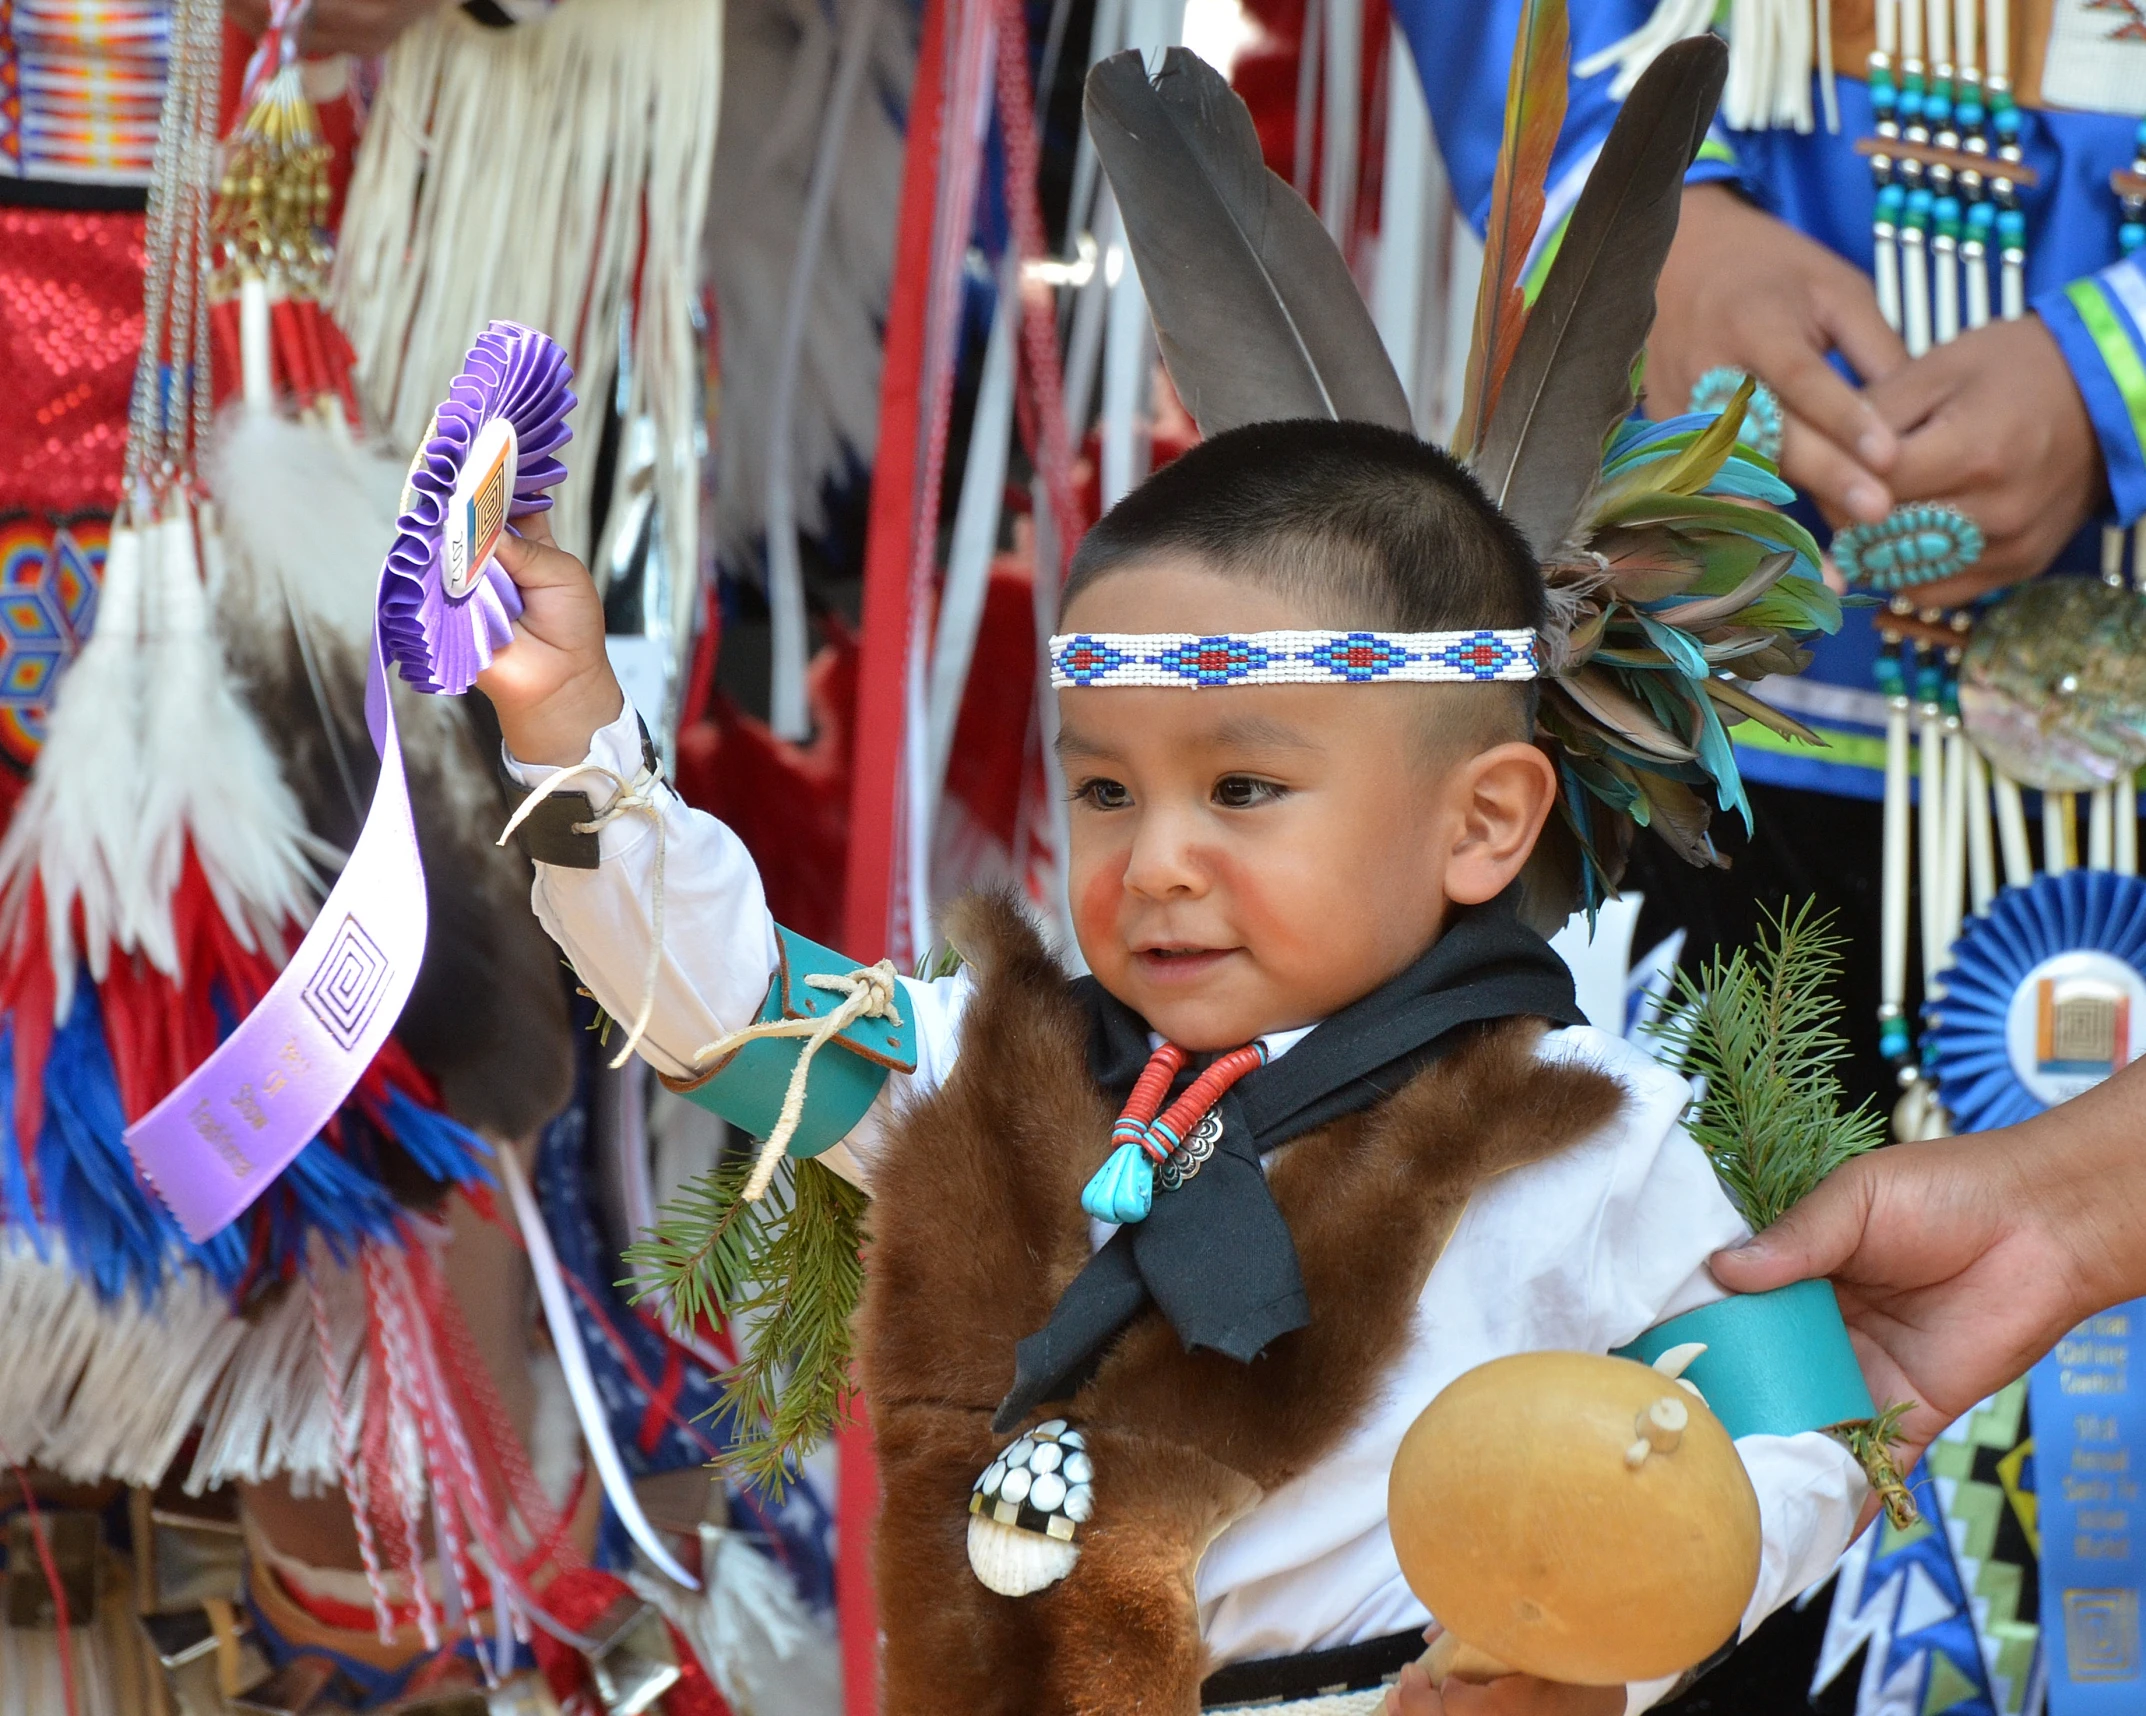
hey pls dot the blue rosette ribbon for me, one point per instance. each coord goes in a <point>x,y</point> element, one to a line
<point>2045,997</point>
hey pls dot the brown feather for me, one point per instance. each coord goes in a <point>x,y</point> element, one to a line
<point>1255,311</point>
<point>1540,451</point>
<point>1534,115</point>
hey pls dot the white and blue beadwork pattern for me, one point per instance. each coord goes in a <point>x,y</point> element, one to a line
<point>1195,662</point>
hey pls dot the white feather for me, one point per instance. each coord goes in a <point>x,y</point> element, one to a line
<point>213,783</point>
<point>305,521</point>
<point>779,67</point>
<point>766,1652</point>
<point>75,828</point>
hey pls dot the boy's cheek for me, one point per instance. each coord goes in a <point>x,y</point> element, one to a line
<point>1096,888</point>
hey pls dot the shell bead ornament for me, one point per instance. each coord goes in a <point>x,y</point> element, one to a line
<point>1027,1508</point>
<point>1911,545</point>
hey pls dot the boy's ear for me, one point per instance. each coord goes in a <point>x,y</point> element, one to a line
<point>1502,796</point>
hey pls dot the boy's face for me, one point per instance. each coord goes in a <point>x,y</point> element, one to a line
<point>1253,858</point>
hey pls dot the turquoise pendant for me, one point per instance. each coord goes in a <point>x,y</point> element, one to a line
<point>1123,1189</point>
<point>1912,545</point>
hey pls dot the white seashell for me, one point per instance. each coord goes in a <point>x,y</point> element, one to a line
<point>1015,1488</point>
<point>1079,1503</point>
<point>1078,1468</point>
<point>1017,1563</point>
<point>1052,1429</point>
<point>1046,1492</point>
<point>993,1474</point>
<point>1046,1458</point>
<point>1018,1454</point>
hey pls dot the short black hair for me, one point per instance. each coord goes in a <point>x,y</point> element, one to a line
<point>1365,527</point>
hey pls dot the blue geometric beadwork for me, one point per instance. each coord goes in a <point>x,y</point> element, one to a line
<point>1193,661</point>
<point>48,593</point>
<point>1212,661</point>
<point>1911,545</point>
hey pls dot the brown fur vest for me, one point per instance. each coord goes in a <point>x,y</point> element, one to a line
<point>976,1230</point>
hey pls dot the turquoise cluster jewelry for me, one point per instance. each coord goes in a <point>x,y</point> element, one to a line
<point>1912,545</point>
<point>1761,432</point>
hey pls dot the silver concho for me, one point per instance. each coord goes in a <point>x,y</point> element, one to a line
<point>2053,684</point>
<point>1027,1508</point>
<point>1188,1158</point>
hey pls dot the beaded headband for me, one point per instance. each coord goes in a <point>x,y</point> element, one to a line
<point>1197,662</point>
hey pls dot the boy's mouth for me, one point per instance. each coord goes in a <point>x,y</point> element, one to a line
<point>1178,962</point>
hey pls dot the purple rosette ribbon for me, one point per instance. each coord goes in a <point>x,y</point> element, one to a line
<point>443,609</point>
<point>446,606</point>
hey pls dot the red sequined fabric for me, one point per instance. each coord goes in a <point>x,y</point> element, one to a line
<point>70,329</point>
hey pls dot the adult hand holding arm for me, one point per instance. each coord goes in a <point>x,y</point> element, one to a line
<point>1744,289</point>
<point>1994,424</point>
<point>1961,1261</point>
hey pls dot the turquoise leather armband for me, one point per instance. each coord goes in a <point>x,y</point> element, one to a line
<point>1775,1363</point>
<point>846,1077</point>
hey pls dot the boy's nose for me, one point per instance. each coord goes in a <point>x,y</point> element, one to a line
<point>1164,861</point>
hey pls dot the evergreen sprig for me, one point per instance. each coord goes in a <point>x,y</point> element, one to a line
<point>785,1275</point>
<point>1762,1030</point>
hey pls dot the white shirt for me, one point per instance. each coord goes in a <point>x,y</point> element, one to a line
<point>1584,1251</point>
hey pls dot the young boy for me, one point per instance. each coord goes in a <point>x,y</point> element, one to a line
<point>1291,853</point>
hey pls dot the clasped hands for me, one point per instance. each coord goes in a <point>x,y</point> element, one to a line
<point>1991,423</point>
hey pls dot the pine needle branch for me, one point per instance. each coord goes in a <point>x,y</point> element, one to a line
<point>1762,1031</point>
<point>1871,1441</point>
<point>785,1274</point>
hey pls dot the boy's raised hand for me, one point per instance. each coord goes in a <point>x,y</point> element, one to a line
<point>553,686</point>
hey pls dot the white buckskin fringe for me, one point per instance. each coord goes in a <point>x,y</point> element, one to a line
<point>98,1389</point>
<point>526,174</point>
<point>271,1413</point>
<point>1774,48</point>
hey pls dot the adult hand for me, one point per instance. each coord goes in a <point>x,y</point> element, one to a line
<point>1950,1284</point>
<point>1993,424</point>
<point>1961,1261</point>
<point>339,26</point>
<point>1744,289</point>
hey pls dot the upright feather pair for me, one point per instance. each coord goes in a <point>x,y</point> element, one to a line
<point>1662,577</point>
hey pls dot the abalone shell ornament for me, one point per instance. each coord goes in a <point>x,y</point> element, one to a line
<point>2053,684</point>
<point>1027,1508</point>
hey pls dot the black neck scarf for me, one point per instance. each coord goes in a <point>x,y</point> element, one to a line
<point>1216,1255</point>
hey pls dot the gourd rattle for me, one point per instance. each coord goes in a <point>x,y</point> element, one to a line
<point>1579,1518</point>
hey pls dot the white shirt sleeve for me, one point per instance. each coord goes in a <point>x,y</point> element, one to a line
<point>1665,1215</point>
<point>719,948</point>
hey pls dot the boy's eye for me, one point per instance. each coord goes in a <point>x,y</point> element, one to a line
<point>1103,794</point>
<point>1242,792</point>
